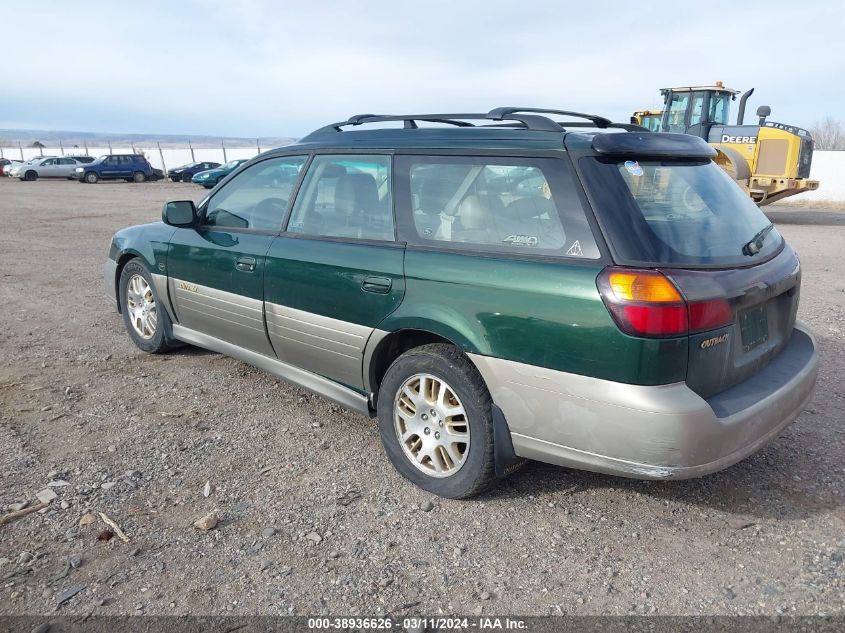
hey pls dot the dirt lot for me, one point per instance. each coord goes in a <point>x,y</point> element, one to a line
<point>313,518</point>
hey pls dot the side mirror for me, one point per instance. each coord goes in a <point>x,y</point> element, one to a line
<point>182,213</point>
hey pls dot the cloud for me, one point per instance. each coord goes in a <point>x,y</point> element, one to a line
<point>258,67</point>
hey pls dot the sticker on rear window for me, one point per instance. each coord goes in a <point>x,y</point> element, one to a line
<point>521,240</point>
<point>575,249</point>
<point>633,168</point>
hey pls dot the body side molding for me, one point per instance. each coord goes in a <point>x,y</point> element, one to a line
<point>322,386</point>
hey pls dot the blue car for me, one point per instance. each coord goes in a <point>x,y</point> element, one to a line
<point>129,167</point>
<point>210,177</point>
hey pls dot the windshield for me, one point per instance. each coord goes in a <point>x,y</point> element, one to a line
<point>233,163</point>
<point>677,213</point>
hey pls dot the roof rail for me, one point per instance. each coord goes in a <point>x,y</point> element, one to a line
<point>529,121</point>
<point>527,118</point>
<point>501,113</point>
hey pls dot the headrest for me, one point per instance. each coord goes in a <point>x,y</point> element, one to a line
<point>355,193</point>
<point>434,194</point>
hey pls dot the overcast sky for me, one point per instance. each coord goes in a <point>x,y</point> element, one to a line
<point>268,68</point>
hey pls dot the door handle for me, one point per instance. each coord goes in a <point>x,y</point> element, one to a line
<point>378,285</point>
<point>245,264</point>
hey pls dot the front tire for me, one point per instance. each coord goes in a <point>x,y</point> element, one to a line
<point>145,317</point>
<point>91,178</point>
<point>187,177</point>
<point>30,176</point>
<point>436,421</point>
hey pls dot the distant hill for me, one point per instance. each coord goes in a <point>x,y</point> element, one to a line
<point>11,138</point>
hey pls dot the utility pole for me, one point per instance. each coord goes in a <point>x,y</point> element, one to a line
<point>258,145</point>
<point>61,147</point>
<point>161,154</point>
<point>21,149</point>
<point>223,145</point>
<point>191,147</point>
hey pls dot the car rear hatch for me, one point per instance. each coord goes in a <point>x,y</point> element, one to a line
<point>675,216</point>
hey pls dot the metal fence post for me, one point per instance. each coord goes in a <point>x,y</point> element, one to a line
<point>161,155</point>
<point>61,148</point>
<point>21,149</point>
<point>85,143</point>
<point>223,145</point>
<point>258,145</point>
<point>1,153</point>
<point>109,142</point>
<point>191,147</point>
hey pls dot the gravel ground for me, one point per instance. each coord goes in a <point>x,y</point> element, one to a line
<point>312,518</point>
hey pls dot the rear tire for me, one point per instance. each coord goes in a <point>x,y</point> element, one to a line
<point>92,178</point>
<point>138,176</point>
<point>436,422</point>
<point>187,177</point>
<point>145,317</point>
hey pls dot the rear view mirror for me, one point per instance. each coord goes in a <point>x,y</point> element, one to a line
<point>179,213</point>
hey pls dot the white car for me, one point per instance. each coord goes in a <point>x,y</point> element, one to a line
<point>45,167</point>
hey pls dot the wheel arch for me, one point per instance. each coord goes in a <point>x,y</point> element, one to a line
<point>385,347</point>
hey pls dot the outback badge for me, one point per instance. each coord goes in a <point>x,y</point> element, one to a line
<point>715,340</point>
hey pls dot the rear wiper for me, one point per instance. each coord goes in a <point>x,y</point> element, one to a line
<point>755,244</point>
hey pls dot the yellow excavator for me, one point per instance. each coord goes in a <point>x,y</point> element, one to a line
<point>771,161</point>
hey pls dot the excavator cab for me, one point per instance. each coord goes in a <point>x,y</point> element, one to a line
<point>696,109</point>
<point>649,119</point>
<point>769,160</point>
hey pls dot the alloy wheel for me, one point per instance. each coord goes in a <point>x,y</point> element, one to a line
<point>432,425</point>
<point>141,305</point>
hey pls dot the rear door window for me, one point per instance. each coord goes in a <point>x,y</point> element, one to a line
<point>524,206</point>
<point>345,196</point>
<point>676,213</point>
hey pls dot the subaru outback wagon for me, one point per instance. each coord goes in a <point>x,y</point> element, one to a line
<point>493,288</point>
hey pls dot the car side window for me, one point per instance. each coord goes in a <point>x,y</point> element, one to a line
<point>257,198</point>
<point>525,206</point>
<point>347,196</point>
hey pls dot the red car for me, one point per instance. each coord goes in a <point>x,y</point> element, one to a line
<point>7,163</point>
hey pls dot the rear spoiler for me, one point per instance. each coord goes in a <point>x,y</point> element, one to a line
<point>653,145</point>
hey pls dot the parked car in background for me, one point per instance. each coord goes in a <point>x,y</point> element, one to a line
<point>129,167</point>
<point>80,159</point>
<point>210,177</point>
<point>19,163</point>
<point>45,167</point>
<point>6,165</point>
<point>186,172</point>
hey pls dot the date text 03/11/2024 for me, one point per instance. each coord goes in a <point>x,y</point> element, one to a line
<point>418,623</point>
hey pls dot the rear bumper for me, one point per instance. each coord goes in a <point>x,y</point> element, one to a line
<point>649,432</point>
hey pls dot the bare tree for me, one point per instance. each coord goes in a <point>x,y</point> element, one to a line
<point>828,134</point>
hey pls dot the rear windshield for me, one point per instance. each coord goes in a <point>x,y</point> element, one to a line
<point>677,213</point>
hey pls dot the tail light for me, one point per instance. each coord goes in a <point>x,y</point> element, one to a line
<point>647,303</point>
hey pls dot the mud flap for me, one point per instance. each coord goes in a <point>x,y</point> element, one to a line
<point>504,456</point>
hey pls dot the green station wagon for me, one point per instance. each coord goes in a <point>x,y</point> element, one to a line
<point>493,288</point>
